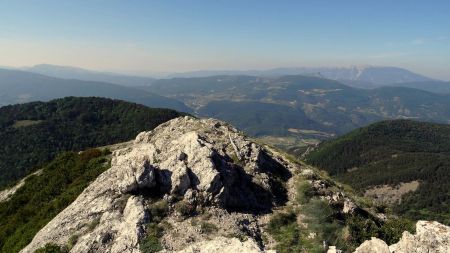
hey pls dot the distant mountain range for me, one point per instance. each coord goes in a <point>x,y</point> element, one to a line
<point>292,104</point>
<point>22,86</point>
<point>374,75</point>
<point>88,75</point>
<point>260,105</point>
<point>367,77</point>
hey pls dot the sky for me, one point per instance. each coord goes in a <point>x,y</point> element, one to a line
<point>144,37</point>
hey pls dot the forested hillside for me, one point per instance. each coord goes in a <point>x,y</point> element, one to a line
<point>44,195</point>
<point>33,133</point>
<point>394,152</point>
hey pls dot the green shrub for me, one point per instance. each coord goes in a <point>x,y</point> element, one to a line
<point>288,239</point>
<point>72,241</point>
<point>51,248</point>
<point>321,220</point>
<point>284,229</point>
<point>392,230</point>
<point>150,243</point>
<point>207,227</point>
<point>93,224</point>
<point>279,220</point>
<point>362,229</point>
<point>90,154</point>
<point>158,210</point>
<point>184,208</point>
<point>304,192</point>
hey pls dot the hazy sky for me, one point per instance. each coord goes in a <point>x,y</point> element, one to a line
<point>161,36</point>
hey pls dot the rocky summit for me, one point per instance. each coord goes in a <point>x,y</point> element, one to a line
<point>190,165</point>
<point>200,185</point>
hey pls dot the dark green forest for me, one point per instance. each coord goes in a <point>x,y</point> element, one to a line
<point>32,134</point>
<point>43,196</point>
<point>391,152</point>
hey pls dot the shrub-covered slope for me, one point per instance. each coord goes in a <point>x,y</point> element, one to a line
<point>394,152</point>
<point>33,133</point>
<point>46,194</point>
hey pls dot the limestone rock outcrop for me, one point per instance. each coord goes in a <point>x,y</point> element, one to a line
<point>373,245</point>
<point>204,162</point>
<point>223,244</point>
<point>430,237</point>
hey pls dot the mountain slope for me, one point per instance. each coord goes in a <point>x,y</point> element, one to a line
<point>364,77</point>
<point>44,195</point>
<point>431,86</point>
<point>376,75</point>
<point>259,119</point>
<point>196,183</point>
<point>390,154</point>
<point>300,103</point>
<point>33,133</point>
<point>21,86</point>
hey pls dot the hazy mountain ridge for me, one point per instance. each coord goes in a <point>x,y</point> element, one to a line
<point>377,75</point>
<point>21,87</point>
<point>432,86</point>
<point>316,103</point>
<point>366,77</point>
<point>67,72</point>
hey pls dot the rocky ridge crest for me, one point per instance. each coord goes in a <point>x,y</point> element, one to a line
<point>217,190</point>
<point>203,163</point>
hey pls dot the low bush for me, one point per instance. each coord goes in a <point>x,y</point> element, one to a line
<point>284,229</point>
<point>207,227</point>
<point>304,192</point>
<point>150,243</point>
<point>51,248</point>
<point>158,210</point>
<point>184,208</point>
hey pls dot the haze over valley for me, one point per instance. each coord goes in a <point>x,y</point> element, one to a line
<point>224,126</point>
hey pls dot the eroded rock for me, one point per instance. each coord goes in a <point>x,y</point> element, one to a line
<point>373,245</point>
<point>430,237</point>
<point>205,162</point>
<point>222,245</point>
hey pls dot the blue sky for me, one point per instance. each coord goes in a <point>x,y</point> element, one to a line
<point>166,36</point>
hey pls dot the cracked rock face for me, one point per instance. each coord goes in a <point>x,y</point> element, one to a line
<point>430,237</point>
<point>204,161</point>
<point>222,244</point>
